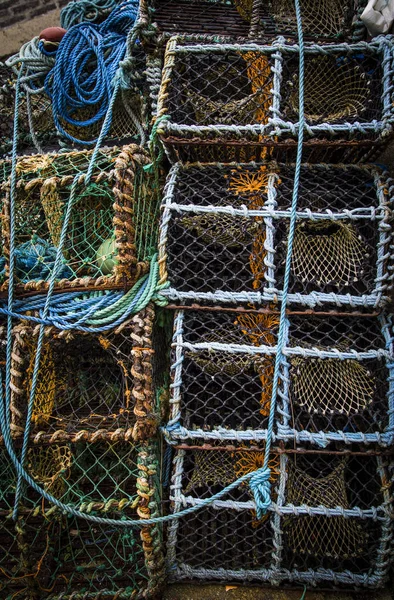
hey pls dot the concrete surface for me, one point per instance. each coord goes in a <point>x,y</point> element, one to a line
<point>219,592</point>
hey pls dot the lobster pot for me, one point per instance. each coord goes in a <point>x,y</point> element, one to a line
<point>335,382</point>
<point>112,220</point>
<point>237,96</point>
<point>102,385</point>
<point>328,523</point>
<point>331,20</point>
<point>224,231</point>
<point>74,555</point>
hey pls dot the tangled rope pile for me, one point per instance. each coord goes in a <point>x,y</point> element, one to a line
<point>83,75</point>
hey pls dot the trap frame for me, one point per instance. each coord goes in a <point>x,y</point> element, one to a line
<point>339,539</point>
<point>223,234</point>
<point>112,231</point>
<point>235,96</point>
<point>335,382</point>
<point>90,387</point>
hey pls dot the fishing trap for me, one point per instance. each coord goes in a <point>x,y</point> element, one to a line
<point>90,386</point>
<point>54,555</point>
<point>112,228</point>
<point>240,96</point>
<point>335,381</point>
<point>224,230</point>
<point>329,524</point>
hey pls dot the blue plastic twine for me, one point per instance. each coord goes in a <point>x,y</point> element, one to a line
<point>260,482</point>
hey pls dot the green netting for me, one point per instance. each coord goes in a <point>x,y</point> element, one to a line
<point>46,554</point>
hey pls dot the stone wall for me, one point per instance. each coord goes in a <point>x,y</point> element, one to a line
<point>17,11</point>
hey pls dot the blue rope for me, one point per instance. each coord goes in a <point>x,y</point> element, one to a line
<point>86,71</point>
<point>67,508</point>
<point>260,481</point>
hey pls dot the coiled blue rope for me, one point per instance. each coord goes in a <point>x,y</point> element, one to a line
<point>86,71</point>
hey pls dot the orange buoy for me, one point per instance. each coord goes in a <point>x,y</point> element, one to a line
<point>52,35</point>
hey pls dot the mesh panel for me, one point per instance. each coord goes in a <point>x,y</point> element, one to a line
<point>304,537</point>
<point>330,19</point>
<point>337,89</point>
<point>112,228</point>
<point>211,18</point>
<point>217,246</point>
<point>99,384</point>
<point>230,88</point>
<point>221,388</point>
<point>318,535</point>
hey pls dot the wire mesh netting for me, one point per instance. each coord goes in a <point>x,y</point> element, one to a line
<point>329,521</point>
<point>330,20</point>
<point>49,555</point>
<point>112,230</point>
<point>240,95</point>
<point>224,229</point>
<point>89,386</point>
<point>335,378</point>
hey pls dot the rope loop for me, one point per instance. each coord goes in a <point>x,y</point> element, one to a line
<point>261,487</point>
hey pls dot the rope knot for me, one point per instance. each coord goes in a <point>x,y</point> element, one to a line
<point>261,487</point>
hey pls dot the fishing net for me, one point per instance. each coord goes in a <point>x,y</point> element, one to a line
<point>337,89</point>
<point>330,18</point>
<point>335,537</point>
<point>338,376</point>
<point>112,229</point>
<point>101,385</point>
<point>211,242</point>
<point>328,252</point>
<point>217,17</point>
<point>221,388</point>
<point>333,387</point>
<point>50,555</point>
<point>230,88</point>
<point>211,469</point>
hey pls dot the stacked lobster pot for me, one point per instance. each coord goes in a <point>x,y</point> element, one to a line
<point>81,409</point>
<point>282,352</point>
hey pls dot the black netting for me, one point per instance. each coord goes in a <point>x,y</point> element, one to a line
<point>226,87</point>
<point>330,19</point>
